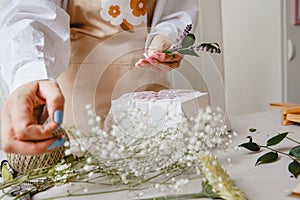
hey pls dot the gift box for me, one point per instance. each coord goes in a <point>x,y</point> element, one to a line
<point>146,113</point>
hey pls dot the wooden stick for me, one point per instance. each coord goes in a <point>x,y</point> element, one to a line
<point>291,110</point>
<point>293,117</point>
<point>283,105</point>
<point>288,109</point>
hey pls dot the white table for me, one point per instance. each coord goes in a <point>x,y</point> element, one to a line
<point>264,182</point>
<point>268,181</point>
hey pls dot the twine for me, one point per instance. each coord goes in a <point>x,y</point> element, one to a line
<point>24,163</point>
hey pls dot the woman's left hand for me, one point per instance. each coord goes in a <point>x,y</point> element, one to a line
<point>156,59</point>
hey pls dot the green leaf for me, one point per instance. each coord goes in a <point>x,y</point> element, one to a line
<point>188,52</point>
<point>276,139</point>
<point>294,168</point>
<point>6,175</point>
<point>295,152</point>
<point>188,41</point>
<point>252,130</point>
<point>267,158</point>
<point>250,138</point>
<point>250,146</point>
<point>209,190</point>
<point>169,52</point>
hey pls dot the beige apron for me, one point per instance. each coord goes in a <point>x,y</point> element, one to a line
<point>102,61</point>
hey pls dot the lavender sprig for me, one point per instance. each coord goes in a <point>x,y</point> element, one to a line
<point>186,44</point>
<point>187,30</point>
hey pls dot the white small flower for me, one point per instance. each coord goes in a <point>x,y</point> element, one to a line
<point>87,168</point>
<point>85,190</point>
<point>68,152</point>
<point>110,146</point>
<point>67,144</point>
<point>77,133</point>
<point>62,167</point>
<point>98,119</point>
<point>82,149</point>
<point>89,160</point>
<point>91,113</point>
<point>91,122</point>
<point>88,106</point>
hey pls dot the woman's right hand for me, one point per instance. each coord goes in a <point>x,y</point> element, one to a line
<point>23,114</point>
<point>156,59</point>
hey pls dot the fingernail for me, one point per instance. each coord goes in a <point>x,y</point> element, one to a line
<point>150,60</point>
<point>57,131</point>
<point>155,55</point>
<point>58,116</point>
<point>57,143</point>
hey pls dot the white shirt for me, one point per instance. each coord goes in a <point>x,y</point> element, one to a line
<point>35,39</point>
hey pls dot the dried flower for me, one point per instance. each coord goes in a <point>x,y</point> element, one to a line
<point>218,178</point>
<point>185,44</point>
<point>216,183</point>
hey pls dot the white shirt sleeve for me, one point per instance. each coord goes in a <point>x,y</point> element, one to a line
<point>34,38</point>
<point>170,18</point>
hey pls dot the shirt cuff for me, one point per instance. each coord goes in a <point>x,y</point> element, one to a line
<point>160,31</point>
<point>29,72</point>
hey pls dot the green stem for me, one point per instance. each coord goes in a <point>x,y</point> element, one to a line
<point>283,153</point>
<point>291,139</point>
<point>183,196</point>
<point>91,193</point>
<point>148,179</point>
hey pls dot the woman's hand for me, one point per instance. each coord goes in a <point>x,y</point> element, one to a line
<point>23,115</point>
<point>158,60</point>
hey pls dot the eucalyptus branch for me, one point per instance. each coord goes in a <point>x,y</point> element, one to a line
<point>291,139</point>
<point>269,157</point>
<point>280,152</point>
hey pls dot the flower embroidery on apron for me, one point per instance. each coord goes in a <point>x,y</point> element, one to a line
<point>126,13</point>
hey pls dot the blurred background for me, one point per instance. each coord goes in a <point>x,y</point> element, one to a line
<point>261,42</point>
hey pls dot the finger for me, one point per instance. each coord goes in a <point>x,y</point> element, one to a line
<point>11,144</point>
<point>152,67</point>
<point>37,113</point>
<point>29,147</point>
<point>163,57</point>
<point>171,64</point>
<point>50,91</point>
<point>21,112</point>
<point>145,64</point>
<point>27,130</point>
<point>44,115</point>
<point>141,62</point>
<point>6,130</point>
<point>163,66</point>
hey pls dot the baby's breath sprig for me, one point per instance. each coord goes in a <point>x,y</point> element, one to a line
<point>163,161</point>
<point>186,44</point>
<point>216,183</point>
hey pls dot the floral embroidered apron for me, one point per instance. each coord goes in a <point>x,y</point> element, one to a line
<point>104,48</point>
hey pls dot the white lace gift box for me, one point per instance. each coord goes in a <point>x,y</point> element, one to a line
<point>146,113</point>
